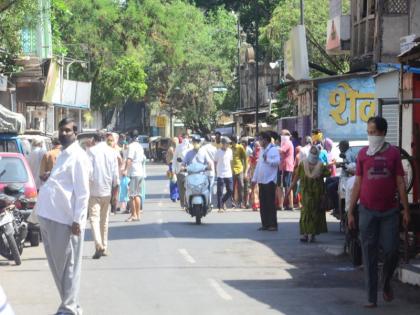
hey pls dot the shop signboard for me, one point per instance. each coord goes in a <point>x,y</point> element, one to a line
<point>161,121</point>
<point>344,107</point>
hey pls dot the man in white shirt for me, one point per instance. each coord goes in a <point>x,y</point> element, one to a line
<point>179,155</point>
<point>62,211</point>
<point>223,159</point>
<point>135,168</point>
<point>103,182</point>
<point>265,176</point>
<point>210,149</point>
<point>34,160</point>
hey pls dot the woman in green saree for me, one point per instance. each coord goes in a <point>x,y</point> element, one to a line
<point>311,173</point>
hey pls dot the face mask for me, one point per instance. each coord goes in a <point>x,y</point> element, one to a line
<point>285,138</point>
<point>185,141</point>
<point>376,143</point>
<point>312,158</point>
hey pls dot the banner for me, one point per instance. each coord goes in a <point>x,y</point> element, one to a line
<point>344,107</point>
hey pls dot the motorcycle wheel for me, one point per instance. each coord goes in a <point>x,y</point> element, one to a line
<point>14,251</point>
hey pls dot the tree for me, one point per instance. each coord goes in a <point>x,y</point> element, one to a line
<point>124,81</point>
<point>13,17</point>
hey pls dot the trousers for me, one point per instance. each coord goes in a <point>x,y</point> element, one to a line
<point>378,229</point>
<point>64,253</point>
<point>180,180</point>
<point>99,218</point>
<point>267,196</point>
<point>228,183</point>
<point>238,184</point>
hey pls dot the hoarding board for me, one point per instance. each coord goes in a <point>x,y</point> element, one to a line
<point>344,107</point>
<point>296,55</point>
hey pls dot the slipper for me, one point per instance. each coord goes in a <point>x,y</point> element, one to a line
<point>388,295</point>
<point>130,219</point>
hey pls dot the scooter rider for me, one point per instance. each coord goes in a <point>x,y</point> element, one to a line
<point>195,155</point>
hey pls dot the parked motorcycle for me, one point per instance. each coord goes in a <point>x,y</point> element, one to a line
<point>197,191</point>
<point>25,206</point>
<point>13,230</point>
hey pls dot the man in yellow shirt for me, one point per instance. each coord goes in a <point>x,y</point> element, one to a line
<point>239,165</point>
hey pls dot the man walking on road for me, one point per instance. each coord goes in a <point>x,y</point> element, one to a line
<point>287,165</point>
<point>62,211</point>
<point>265,176</point>
<point>239,165</point>
<point>179,156</point>
<point>223,159</point>
<point>379,176</point>
<point>35,159</point>
<point>104,183</point>
<point>135,168</point>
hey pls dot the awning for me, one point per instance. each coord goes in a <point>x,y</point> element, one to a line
<point>251,111</point>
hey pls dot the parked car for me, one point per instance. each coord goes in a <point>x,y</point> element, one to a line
<point>12,142</point>
<point>15,170</point>
<point>144,141</point>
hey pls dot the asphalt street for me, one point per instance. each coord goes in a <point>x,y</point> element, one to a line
<point>165,264</point>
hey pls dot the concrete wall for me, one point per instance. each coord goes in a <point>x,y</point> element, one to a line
<point>393,28</point>
<point>386,85</point>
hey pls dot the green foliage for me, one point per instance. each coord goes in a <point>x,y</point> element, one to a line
<point>12,19</point>
<point>126,80</point>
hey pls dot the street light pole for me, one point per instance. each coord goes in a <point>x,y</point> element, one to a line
<point>257,97</point>
<point>302,9</point>
<point>239,61</point>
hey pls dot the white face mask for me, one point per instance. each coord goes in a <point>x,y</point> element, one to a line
<point>312,158</point>
<point>376,143</point>
<point>186,141</point>
<point>285,138</point>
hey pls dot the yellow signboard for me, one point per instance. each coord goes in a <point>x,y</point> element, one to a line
<point>161,121</point>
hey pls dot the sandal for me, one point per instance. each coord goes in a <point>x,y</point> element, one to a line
<point>388,295</point>
<point>131,219</point>
<point>304,239</point>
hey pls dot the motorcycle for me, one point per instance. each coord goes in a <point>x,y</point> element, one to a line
<point>25,206</point>
<point>13,230</point>
<point>197,191</point>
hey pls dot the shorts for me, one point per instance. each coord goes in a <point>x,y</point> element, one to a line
<point>134,187</point>
<point>287,179</point>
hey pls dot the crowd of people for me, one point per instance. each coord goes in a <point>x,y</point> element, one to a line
<point>274,171</point>
<point>269,173</point>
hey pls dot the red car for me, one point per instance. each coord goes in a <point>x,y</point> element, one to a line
<point>14,169</point>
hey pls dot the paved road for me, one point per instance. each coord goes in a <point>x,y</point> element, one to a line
<point>167,265</point>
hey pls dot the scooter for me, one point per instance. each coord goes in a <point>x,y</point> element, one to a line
<point>12,230</point>
<point>197,192</point>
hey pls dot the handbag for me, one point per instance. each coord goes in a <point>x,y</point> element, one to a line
<point>326,203</point>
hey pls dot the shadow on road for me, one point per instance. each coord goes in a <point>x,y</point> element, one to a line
<point>311,268</point>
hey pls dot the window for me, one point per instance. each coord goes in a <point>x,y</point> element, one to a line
<point>396,7</point>
<point>12,170</point>
<point>12,146</point>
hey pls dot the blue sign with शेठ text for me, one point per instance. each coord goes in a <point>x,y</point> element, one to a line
<point>344,107</point>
